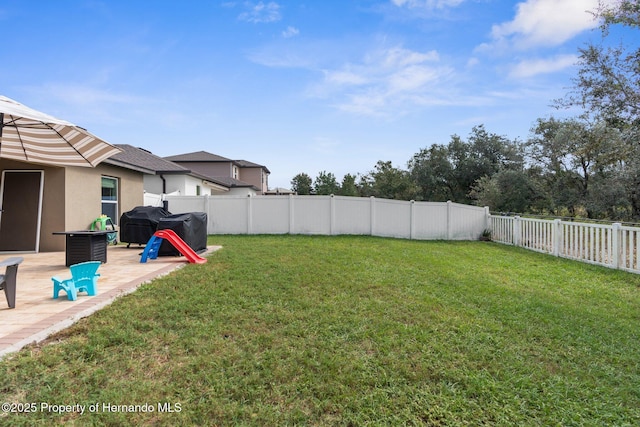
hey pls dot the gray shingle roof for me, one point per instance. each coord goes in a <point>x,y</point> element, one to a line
<point>225,181</point>
<point>143,159</point>
<point>198,156</point>
<point>248,164</point>
<point>204,156</point>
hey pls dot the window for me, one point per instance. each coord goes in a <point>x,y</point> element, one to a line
<point>110,198</point>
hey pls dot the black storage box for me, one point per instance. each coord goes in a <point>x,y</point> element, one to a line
<point>139,224</point>
<point>190,227</point>
<point>84,245</point>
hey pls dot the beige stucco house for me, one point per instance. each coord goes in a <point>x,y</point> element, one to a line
<point>38,200</point>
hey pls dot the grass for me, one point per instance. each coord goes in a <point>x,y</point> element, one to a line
<point>302,330</point>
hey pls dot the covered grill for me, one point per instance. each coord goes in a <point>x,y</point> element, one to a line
<point>190,227</point>
<point>139,224</point>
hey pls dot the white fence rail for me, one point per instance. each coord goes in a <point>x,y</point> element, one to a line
<point>334,215</point>
<point>614,246</point>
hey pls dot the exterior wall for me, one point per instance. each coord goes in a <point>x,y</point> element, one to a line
<point>212,169</point>
<point>53,201</point>
<point>84,202</point>
<point>131,190</point>
<point>53,207</point>
<point>153,184</point>
<point>72,198</point>
<point>185,184</point>
<point>191,184</point>
<point>255,176</point>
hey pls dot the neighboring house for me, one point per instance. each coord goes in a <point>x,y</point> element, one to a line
<point>237,173</point>
<point>279,191</point>
<point>162,176</point>
<point>38,200</point>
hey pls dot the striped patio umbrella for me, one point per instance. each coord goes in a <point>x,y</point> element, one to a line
<point>32,136</point>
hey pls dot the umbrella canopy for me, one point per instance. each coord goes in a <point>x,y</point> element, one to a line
<point>32,136</point>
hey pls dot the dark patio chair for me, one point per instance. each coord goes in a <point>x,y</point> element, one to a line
<point>8,279</point>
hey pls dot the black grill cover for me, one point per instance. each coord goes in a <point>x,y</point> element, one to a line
<point>139,224</point>
<point>190,227</point>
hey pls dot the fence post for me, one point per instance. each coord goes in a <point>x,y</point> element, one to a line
<point>615,244</point>
<point>332,214</point>
<point>249,214</point>
<point>516,231</point>
<point>448,219</point>
<point>412,216</point>
<point>207,210</point>
<point>291,214</point>
<point>557,236</point>
<point>372,206</point>
<point>487,219</point>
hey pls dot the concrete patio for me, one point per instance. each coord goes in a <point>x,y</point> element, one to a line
<point>37,315</point>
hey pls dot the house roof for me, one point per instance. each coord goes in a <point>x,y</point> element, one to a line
<point>197,156</point>
<point>223,181</point>
<point>247,164</point>
<point>204,156</point>
<point>280,190</point>
<point>144,161</point>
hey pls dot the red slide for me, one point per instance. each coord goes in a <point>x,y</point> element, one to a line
<point>180,245</point>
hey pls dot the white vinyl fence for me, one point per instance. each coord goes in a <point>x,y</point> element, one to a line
<point>614,245</point>
<point>334,215</point>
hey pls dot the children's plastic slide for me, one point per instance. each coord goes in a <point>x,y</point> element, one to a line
<point>153,246</point>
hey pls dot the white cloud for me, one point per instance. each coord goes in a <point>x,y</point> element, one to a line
<point>387,82</point>
<point>529,68</point>
<point>545,23</point>
<point>261,12</point>
<point>345,77</point>
<point>290,32</point>
<point>411,79</point>
<point>400,57</point>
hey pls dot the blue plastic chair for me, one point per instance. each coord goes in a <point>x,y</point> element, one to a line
<point>84,278</point>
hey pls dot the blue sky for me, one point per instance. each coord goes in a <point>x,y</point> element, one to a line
<point>298,86</point>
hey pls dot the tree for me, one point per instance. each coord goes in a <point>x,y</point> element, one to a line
<point>349,186</point>
<point>573,153</point>
<point>301,184</point>
<point>508,191</point>
<point>326,183</point>
<point>450,172</point>
<point>608,81</point>
<point>607,87</point>
<point>389,182</point>
<point>432,172</point>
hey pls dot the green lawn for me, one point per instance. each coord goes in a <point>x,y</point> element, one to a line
<point>301,330</point>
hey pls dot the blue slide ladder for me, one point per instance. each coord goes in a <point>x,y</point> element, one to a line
<point>151,249</point>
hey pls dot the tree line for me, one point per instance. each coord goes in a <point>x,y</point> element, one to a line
<point>587,165</point>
